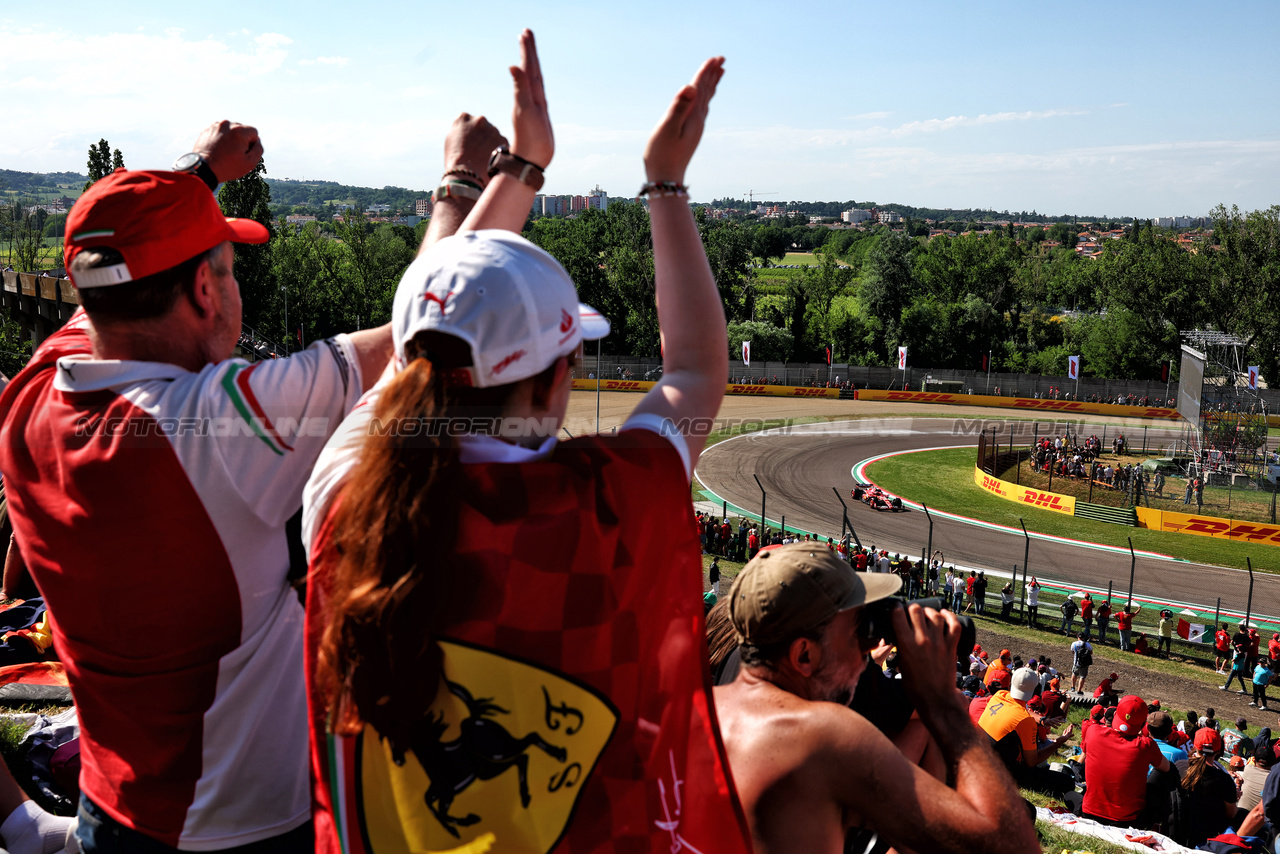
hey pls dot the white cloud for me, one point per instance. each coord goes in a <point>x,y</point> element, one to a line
<point>953,122</point>
<point>325,60</point>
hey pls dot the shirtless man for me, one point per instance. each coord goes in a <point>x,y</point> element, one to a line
<point>807,768</point>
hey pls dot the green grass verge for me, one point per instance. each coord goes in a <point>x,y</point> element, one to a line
<point>944,481</point>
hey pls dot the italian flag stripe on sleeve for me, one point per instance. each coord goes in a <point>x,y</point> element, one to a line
<point>235,382</point>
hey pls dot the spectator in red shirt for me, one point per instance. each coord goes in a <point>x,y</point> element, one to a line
<point>1140,646</point>
<point>1221,648</point>
<point>753,544</point>
<point>1105,693</point>
<point>1273,647</point>
<point>1124,624</point>
<point>1086,614</point>
<point>1116,766</point>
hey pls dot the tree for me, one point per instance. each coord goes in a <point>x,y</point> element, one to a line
<point>102,161</point>
<point>769,343</point>
<point>250,198</point>
<point>729,252</point>
<point>887,287</point>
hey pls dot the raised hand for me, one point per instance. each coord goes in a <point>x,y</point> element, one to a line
<point>470,141</point>
<point>673,141</point>
<point>531,125</point>
<point>231,149</point>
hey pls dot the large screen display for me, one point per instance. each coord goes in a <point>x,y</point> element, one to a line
<point>1190,383</point>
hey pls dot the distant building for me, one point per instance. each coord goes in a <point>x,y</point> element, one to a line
<point>422,207</point>
<point>853,216</point>
<point>598,199</point>
<point>299,219</point>
<point>889,216</point>
<point>378,209</point>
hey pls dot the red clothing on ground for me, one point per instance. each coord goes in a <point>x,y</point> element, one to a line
<point>1116,772</point>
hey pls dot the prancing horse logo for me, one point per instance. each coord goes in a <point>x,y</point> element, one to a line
<point>483,750</point>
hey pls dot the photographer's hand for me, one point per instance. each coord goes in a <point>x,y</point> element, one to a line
<point>926,641</point>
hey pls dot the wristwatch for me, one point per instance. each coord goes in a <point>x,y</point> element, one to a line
<point>196,165</point>
<point>524,171</point>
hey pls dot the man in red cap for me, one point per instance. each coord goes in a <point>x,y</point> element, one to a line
<point>1116,761</point>
<point>148,469</point>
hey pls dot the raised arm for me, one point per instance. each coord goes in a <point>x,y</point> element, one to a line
<point>466,161</point>
<point>695,347</point>
<point>230,149</point>
<point>507,200</point>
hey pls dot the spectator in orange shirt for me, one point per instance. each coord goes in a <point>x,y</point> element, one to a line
<point>1001,663</point>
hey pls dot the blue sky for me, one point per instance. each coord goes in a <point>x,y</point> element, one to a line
<point>1118,109</point>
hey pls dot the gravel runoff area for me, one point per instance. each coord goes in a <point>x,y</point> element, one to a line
<point>616,405</point>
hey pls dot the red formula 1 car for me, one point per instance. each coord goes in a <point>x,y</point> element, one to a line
<point>877,499</point>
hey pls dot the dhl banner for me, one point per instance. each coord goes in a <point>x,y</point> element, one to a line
<point>1209,526</point>
<point>1070,407</point>
<point>1012,492</point>
<point>731,388</point>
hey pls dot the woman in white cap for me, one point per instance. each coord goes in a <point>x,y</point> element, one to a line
<point>504,631</point>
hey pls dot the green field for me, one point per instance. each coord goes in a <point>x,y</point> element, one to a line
<point>944,481</point>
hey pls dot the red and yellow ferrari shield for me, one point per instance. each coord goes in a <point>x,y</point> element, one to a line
<point>496,766</point>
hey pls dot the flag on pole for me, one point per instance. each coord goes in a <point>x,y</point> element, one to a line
<point>902,358</point>
<point>1193,632</point>
<point>1253,377</point>
<point>1073,367</point>
<point>828,355</point>
<point>746,352</point>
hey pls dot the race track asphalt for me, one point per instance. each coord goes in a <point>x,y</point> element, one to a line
<point>799,466</point>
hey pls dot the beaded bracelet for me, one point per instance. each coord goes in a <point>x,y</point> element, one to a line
<point>663,188</point>
<point>460,170</point>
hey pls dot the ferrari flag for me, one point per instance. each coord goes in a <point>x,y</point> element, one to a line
<point>1193,632</point>
<point>746,352</point>
<point>1073,367</point>
<point>902,358</point>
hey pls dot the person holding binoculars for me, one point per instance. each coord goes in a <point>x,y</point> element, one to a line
<point>809,769</point>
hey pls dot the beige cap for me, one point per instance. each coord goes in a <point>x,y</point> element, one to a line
<point>786,591</point>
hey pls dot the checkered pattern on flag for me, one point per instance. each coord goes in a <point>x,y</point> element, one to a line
<point>587,582</point>
<point>1193,632</point>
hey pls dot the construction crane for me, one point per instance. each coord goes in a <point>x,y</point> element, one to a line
<point>752,195</point>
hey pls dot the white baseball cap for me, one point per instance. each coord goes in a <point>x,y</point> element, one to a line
<point>512,303</point>
<point>1024,684</point>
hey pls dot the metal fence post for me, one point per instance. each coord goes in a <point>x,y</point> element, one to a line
<point>928,549</point>
<point>1026,566</point>
<point>847,523</point>
<point>762,498</point>
<point>1133,563</point>
<point>1248,608</point>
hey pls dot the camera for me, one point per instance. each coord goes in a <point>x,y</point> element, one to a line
<point>881,626</point>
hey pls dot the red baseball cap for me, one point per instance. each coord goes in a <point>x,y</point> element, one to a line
<point>1131,716</point>
<point>156,220</point>
<point>1208,741</point>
